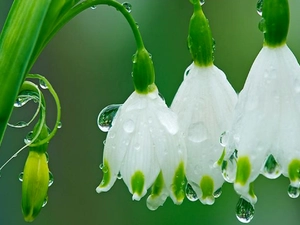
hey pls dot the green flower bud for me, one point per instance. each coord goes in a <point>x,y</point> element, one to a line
<point>35,184</point>
<point>35,178</point>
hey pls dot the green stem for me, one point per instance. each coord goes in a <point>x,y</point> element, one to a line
<point>91,3</point>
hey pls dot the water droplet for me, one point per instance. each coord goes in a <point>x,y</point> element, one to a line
<point>218,193</point>
<point>244,211</point>
<point>21,124</point>
<point>129,126</point>
<point>59,125</point>
<point>224,139</point>
<point>51,179</point>
<point>197,132</point>
<point>45,202</point>
<point>293,192</point>
<point>21,101</point>
<point>271,170</point>
<point>106,116</point>
<point>101,166</point>
<point>190,193</point>
<point>137,25</point>
<point>161,96</point>
<point>93,7</point>
<point>262,25</point>
<point>21,176</point>
<point>119,176</point>
<point>43,85</point>
<point>28,137</point>
<point>259,7</point>
<point>104,142</point>
<point>229,168</point>
<point>127,6</point>
<point>47,157</point>
<point>104,169</point>
<point>202,2</point>
<point>213,45</point>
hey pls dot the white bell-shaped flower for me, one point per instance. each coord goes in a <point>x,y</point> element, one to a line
<point>204,104</point>
<point>266,125</point>
<point>143,146</point>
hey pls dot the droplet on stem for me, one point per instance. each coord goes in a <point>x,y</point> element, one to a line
<point>244,211</point>
<point>21,176</point>
<point>259,7</point>
<point>51,179</point>
<point>127,6</point>
<point>28,137</point>
<point>43,85</point>
<point>202,2</point>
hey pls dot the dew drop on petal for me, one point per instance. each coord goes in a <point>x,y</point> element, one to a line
<point>45,202</point>
<point>43,85</point>
<point>197,132</point>
<point>21,176</point>
<point>106,116</point>
<point>129,126</point>
<point>218,193</point>
<point>259,7</point>
<point>229,168</point>
<point>101,166</point>
<point>119,176</point>
<point>127,6</point>
<point>293,192</point>
<point>190,193</point>
<point>224,139</point>
<point>271,170</point>
<point>244,211</point>
<point>51,179</point>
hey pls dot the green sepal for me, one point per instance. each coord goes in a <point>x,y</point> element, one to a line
<point>294,170</point>
<point>143,72</point>
<point>200,41</point>
<point>276,19</point>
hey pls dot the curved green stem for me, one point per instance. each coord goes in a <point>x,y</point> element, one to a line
<point>58,109</point>
<point>91,3</point>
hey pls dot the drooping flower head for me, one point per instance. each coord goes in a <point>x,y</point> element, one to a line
<point>267,118</point>
<point>143,144</point>
<point>204,104</point>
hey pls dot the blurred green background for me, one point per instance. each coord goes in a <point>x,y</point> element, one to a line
<point>89,64</point>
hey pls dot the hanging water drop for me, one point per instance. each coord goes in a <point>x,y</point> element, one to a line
<point>202,2</point>
<point>93,7</point>
<point>244,211</point>
<point>259,7</point>
<point>218,193</point>
<point>229,168</point>
<point>119,176</point>
<point>127,6</point>
<point>106,116</point>
<point>21,176</point>
<point>293,192</point>
<point>271,170</point>
<point>28,138</point>
<point>59,125</point>
<point>43,85</point>
<point>45,202</point>
<point>190,193</point>
<point>51,179</point>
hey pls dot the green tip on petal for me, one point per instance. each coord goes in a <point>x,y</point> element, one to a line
<point>179,183</point>
<point>294,170</point>
<point>207,187</point>
<point>243,170</point>
<point>251,190</point>
<point>143,72</point>
<point>137,184</point>
<point>275,22</point>
<point>200,41</point>
<point>106,174</point>
<point>221,159</point>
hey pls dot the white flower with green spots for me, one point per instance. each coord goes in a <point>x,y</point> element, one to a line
<point>204,104</point>
<point>144,146</point>
<point>266,124</point>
